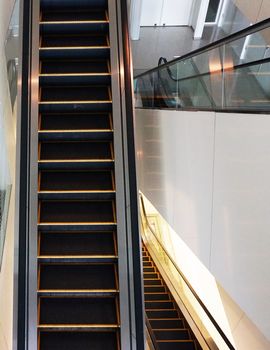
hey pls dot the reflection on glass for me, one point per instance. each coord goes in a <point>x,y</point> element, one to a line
<point>12,52</point>
<point>212,10</point>
<point>235,75</point>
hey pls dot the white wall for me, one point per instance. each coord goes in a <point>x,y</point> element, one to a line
<point>165,12</point>
<point>198,18</point>
<point>9,127</point>
<point>208,175</point>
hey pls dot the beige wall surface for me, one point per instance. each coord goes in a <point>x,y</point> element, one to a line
<point>8,124</point>
<point>256,10</point>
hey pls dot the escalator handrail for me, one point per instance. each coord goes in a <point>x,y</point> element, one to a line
<point>207,312</point>
<point>232,37</point>
<point>163,59</point>
<point>198,75</point>
<point>129,153</point>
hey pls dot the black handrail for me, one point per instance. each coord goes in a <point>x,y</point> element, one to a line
<point>163,59</point>
<point>132,181</point>
<point>21,280</point>
<point>242,33</point>
<point>209,315</point>
<point>198,75</point>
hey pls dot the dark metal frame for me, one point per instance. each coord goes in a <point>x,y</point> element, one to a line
<point>133,191</point>
<point>21,316</point>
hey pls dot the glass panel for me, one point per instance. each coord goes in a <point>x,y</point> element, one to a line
<point>212,11</point>
<point>227,76</point>
<point>248,87</point>
<point>12,52</point>
<point>250,48</point>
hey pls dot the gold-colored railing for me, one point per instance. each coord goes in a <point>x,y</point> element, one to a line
<point>206,329</point>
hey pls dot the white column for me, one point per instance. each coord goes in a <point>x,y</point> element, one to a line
<point>135,18</point>
<point>199,16</point>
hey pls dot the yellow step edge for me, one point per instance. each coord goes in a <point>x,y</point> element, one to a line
<point>75,160</point>
<point>75,191</point>
<point>78,290</point>
<point>74,22</point>
<point>78,326</point>
<point>77,256</point>
<point>75,223</point>
<point>74,74</point>
<point>71,102</point>
<point>73,47</point>
<point>74,130</point>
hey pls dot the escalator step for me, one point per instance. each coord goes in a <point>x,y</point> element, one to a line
<point>80,135</point>
<point>76,311</point>
<point>75,180</point>
<point>76,211</point>
<point>176,345</point>
<point>75,150</point>
<point>151,275</point>
<point>162,314</point>
<point>154,289</point>
<point>81,52</point>
<point>75,79</point>
<point>156,296</point>
<point>75,227</point>
<point>106,164</point>
<point>74,28</point>
<point>149,269</point>
<point>78,121</point>
<point>70,5</point>
<point>152,282</point>
<point>74,93</point>
<point>76,276</point>
<point>76,243</point>
<point>78,340</point>
<point>75,106</point>
<point>159,305</point>
<point>167,324</point>
<point>74,66</point>
<point>74,40</point>
<point>73,15</point>
<point>172,334</point>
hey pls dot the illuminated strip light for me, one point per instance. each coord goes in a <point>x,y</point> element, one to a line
<point>74,74</point>
<point>75,102</point>
<point>75,130</point>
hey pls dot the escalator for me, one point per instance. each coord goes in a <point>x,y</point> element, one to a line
<point>168,326</point>
<point>78,293</point>
<point>76,174</point>
<point>79,264</point>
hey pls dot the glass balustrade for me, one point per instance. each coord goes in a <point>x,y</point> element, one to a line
<point>232,74</point>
